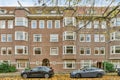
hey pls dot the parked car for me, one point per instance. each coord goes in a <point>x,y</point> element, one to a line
<point>118,71</point>
<point>88,72</point>
<point>41,71</point>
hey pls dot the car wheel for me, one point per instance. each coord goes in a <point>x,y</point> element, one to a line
<point>24,75</point>
<point>99,75</point>
<point>77,75</point>
<point>46,76</point>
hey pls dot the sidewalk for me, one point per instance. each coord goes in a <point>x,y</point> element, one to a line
<point>18,74</point>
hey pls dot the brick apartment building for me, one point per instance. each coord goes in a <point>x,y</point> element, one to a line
<point>63,38</point>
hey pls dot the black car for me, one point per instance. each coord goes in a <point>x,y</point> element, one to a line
<point>41,71</point>
<point>87,72</point>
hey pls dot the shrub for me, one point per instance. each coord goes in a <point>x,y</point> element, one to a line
<point>5,67</point>
<point>109,67</point>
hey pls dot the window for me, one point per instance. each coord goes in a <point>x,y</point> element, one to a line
<point>69,49</point>
<point>6,37</point>
<point>69,64</point>
<point>89,24</point>
<point>53,37</point>
<point>37,50</point>
<point>9,50</point>
<point>81,24</point>
<point>19,35</point>
<point>41,24</point>
<point>68,35</point>
<point>103,24</point>
<point>96,24</point>
<point>2,24</point>
<point>115,49</point>
<point>86,63</point>
<point>34,24</point>
<point>99,50</point>
<point>21,50</point>
<point>82,37</point>
<point>70,21</point>
<point>57,23</point>
<point>85,38</point>
<point>49,24</point>
<point>85,50</point>
<point>115,35</point>
<point>96,50</point>
<point>21,21</point>
<point>6,50</point>
<point>96,37</point>
<point>10,24</point>
<point>88,38</point>
<point>3,38</point>
<point>37,37</point>
<point>9,37</point>
<point>115,22</point>
<point>54,51</point>
<point>22,64</point>
<point>102,38</point>
<point>3,50</point>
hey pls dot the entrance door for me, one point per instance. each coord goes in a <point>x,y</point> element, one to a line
<point>45,62</point>
<point>99,64</point>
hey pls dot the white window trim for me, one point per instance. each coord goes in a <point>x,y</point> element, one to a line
<point>57,21</point>
<point>23,20</point>
<point>41,21</point>
<point>65,64</point>
<point>40,35</point>
<point>51,50</point>
<point>25,37</point>
<point>99,48</point>
<point>65,34</point>
<point>49,21</point>
<point>34,51</point>
<point>23,47</point>
<point>65,47</point>
<point>10,24</point>
<point>35,22</point>
<point>2,24</point>
<point>56,37</point>
<point>113,49</point>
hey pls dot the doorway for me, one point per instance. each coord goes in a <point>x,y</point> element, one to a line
<point>45,62</point>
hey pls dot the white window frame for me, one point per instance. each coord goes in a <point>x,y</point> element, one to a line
<point>3,38</point>
<point>113,36</point>
<point>10,24</point>
<point>54,37</point>
<point>37,36</point>
<point>113,49</point>
<point>21,21</point>
<point>18,65</point>
<point>41,24</point>
<point>24,35</point>
<point>9,48</point>
<point>33,24</point>
<point>21,47</point>
<point>99,50</point>
<point>34,50</point>
<point>89,25</point>
<point>96,24</point>
<point>81,24</point>
<point>70,21</point>
<point>85,50</point>
<point>3,49</point>
<point>86,63</point>
<point>72,62</point>
<point>82,36</point>
<point>65,49</point>
<point>68,33</point>
<point>9,37</point>
<point>88,36</point>
<point>102,38</point>
<point>57,23</point>
<point>96,38</point>
<point>103,25</point>
<point>2,24</point>
<point>49,24</point>
<point>54,49</point>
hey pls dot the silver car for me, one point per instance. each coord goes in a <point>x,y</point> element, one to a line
<point>88,72</point>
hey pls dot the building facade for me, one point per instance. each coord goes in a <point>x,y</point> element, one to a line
<point>63,38</point>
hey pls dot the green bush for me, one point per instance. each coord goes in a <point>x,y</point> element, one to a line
<point>5,67</point>
<point>109,67</point>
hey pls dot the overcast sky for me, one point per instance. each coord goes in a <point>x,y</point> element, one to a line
<point>61,2</point>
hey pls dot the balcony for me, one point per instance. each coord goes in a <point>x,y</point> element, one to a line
<point>69,56</point>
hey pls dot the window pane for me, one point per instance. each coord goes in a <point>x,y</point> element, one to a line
<point>33,24</point>
<point>3,37</point>
<point>57,23</point>
<point>49,24</point>
<point>10,24</point>
<point>37,50</point>
<point>117,49</point>
<point>82,51</point>
<point>41,23</point>
<point>54,51</point>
